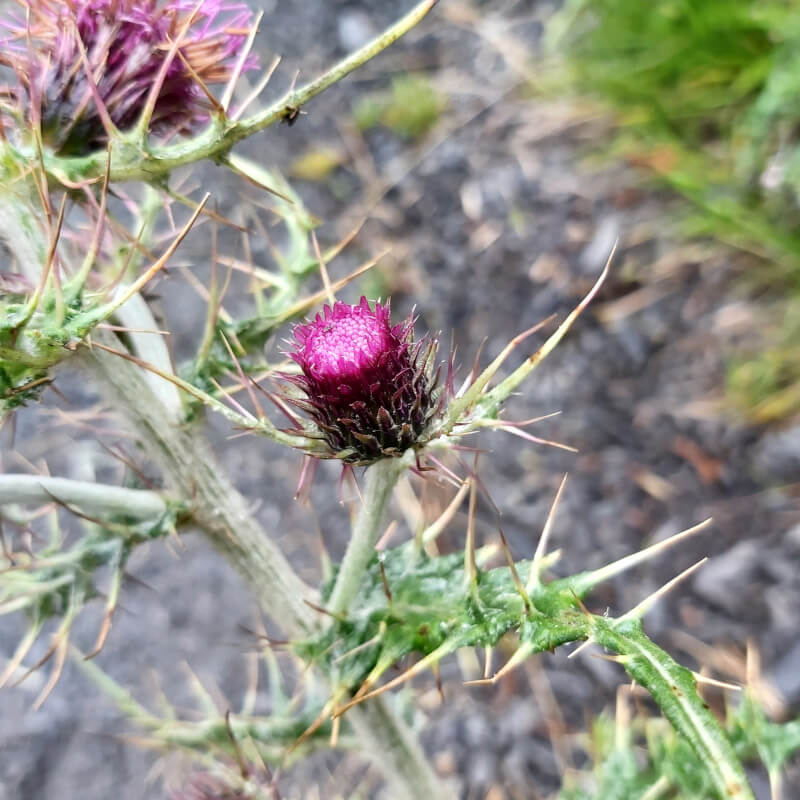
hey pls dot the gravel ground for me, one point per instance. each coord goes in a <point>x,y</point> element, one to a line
<point>495,222</point>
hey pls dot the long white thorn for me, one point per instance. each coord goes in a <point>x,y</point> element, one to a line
<point>541,548</point>
<point>638,611</point>
<point>431,533</point>
<point>237,70</point>
<point>581,647</point>
<point>591,579</point>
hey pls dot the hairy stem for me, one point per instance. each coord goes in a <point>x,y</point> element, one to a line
<point>92,498</point>
<point>136,315</point>
<point>20,230</point>
<point>381,479</point>
<point>396,751</point>
<point>190,469</point>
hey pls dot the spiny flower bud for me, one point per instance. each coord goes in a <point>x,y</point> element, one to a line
<point>125,43</point>
<point>368,386</point>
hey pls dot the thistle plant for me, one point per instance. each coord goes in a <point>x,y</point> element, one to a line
<point>110,92</point>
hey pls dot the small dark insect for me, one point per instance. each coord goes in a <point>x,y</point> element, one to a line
<point>290,115</point>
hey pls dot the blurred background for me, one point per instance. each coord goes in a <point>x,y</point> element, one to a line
<point>499,151</point>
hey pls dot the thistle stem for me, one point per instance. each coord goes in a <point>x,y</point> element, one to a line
<point>88,497</point>
<point>190,469</point>
<point>20,229</point>
<point>396,751</point>
<point>381,479</point>
<point>222,514</point>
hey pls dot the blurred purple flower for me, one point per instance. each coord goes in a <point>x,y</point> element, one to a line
<point>126,43</point>
<point>368,386</point>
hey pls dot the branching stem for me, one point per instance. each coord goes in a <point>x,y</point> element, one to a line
<point>92,498</point>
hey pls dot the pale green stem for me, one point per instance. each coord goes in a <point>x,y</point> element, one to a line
<point>137,316</point>
<point>190,469</point>
<point>151,348</point>
<point>381,479</point>
<point>396,751</point>
<point>91,498</point>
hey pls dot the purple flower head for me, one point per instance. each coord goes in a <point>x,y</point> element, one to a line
<point>367,384</point>
<point>122,45</point>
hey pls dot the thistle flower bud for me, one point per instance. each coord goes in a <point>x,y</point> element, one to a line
<point>125,43</point>
<point>368,386</point>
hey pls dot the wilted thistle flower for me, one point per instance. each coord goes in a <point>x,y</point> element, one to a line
<point>368,386</point>
<point>126,43</point>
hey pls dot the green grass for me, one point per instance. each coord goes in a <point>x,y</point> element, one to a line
<point>765,383</point>
<point>706,95</point>
<point>410,108</point>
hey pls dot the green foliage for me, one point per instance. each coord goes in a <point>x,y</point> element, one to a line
<point>765,383</point>
<point>412,603</point>
<point>703,91</point>
<point>205,731</point>
<point>706,98</point>
<point>274,292</point>
<point>755,736</point>
<point>55,581</point>
<point>36,334</point>
<point>434,608</point>
<point>644,758</point>
<point>410,108</point>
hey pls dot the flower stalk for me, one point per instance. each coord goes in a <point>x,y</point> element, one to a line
<point>381,480</point>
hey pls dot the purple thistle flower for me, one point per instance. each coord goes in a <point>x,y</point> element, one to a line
<point>368,386</point>
<point>126,43</point>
